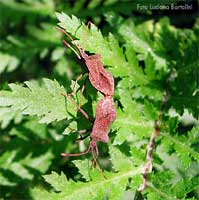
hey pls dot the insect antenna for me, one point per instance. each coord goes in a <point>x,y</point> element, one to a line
<point>72,40</point>
<point>85,34</point>
<point>70,47</point>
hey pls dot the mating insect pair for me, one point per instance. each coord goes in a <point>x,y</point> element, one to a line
<point>105,114</point>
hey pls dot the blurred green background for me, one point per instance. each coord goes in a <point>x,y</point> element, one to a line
<point>31,48</point>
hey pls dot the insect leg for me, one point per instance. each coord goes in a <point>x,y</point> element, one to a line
<point>82,138</point>
<point>78,107</point>
<point>81,91</point>
<point>83,85</point>
<point>71,96</point>
<point>94,161</point>
<point>81,132</point>
<point>78,154</point>
<point>74,86</point>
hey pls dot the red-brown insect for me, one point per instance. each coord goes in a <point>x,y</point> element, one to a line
<point>105,112</point>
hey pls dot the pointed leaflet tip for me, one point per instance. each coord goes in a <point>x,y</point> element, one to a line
<point>61,16</point>
<point>58,15</point>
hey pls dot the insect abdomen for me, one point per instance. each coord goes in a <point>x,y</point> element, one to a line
<point>105,115</point>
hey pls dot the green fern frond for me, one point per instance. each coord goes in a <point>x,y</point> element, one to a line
<point>113,187</point>
<point>46,101</point>
<point>106,47</point>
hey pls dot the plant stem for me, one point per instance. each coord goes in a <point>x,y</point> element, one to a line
<point>148,165</point>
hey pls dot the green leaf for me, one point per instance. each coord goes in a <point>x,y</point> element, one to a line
<point>58,182</point>
<point>29,7</point>
<point>7,114</point>
<point>124,162</point>
<point>146,57</point>
<point>131,123</point>
<point>181,143</point>
<point>164,188</point>
<point>22,168</point>
<point>112,188</point>
<point>8,63</point>
<point>44,101</point>
<point>141,45</point>
<point>106,47</point>
<point>185,186</point>
<point>83,166</point>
